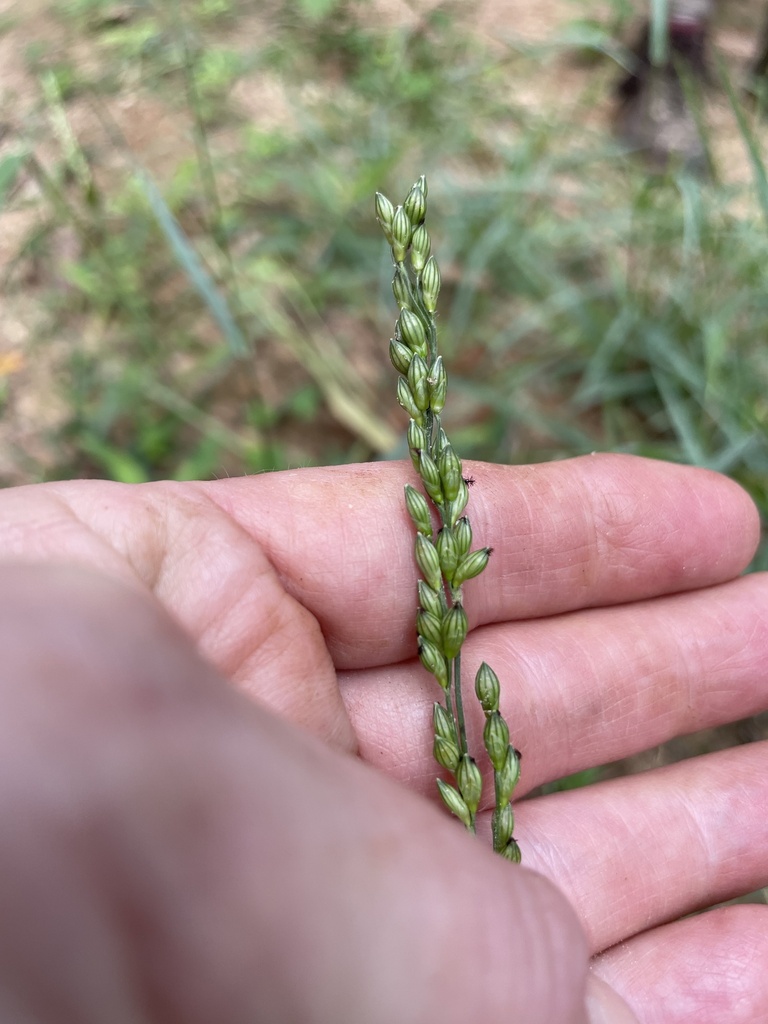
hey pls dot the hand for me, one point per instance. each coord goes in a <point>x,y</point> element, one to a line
<point>174,850</point>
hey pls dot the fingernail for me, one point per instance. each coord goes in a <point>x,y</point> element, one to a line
<point>604,1006</point>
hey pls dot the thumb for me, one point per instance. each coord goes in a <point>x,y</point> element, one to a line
<point>179,853</point>
<point>386,910</point>
<point>605,1006</point>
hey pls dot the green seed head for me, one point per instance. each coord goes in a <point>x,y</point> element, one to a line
<point>401,289</point>
<point>470,782</point>
<point>417,380</point>
<point>430,600</point>
<point>433,661</point>
<point>418,509</point>
<point>457,507</point>
<point>438,386</point>
<point>450,472</point>
<point>412,332</point>
<point>416,206</point>
<point>402,231</point>
<point>511,852</point>
<point>406,399</point>
<point>400,356</point>
<point>422,184</point>
<point>385,211</point>
<point>420,248</point>
<point>443,723</point>
<point>496,739</point>
<point>455,804</point>
<point>471,566</point>
<point>417,436</point>
<point>506,779</point>
<point>463,534</point>
<point>430,627</point>
<point>428,561</point>
<point>455,628</point>
<point>446,754</point>
<point>430,284</point>
<point>487,688</point>
<point>446,549</point>
<point>430,477</point>
<point>503,825</point>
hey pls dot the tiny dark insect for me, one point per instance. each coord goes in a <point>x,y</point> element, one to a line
<point>469,481</point>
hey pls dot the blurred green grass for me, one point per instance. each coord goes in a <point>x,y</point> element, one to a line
<point>228,310</point>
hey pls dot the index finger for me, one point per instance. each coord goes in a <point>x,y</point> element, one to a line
<point>584,532</point>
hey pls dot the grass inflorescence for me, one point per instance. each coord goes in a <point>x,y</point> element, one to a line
<point>444,554</point>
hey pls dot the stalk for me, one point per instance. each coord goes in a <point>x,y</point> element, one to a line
<point>444,555</point>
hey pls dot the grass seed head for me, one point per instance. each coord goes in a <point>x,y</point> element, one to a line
<point>400,356</point>
<point>496,740</point>
<point>503,826</point>
<point>450,472</point>
<point>412,332</point>
<point>455,803</point>
<point>430,477</point>
<point>415,205</point>
<point>443,723</point>
<point>406,400</point>
<point>448,552</point>
<point>428,561</point>
<point>401,289</point>
<point>463,534</point>
<point>433,661</point>
<point>417,381</point>
<point>470,782</point>
<point>438,386</point>
<point>429,627</point>
<point>446,754</point>
<point>402,232</point>
<point>455,629</point>
<point>418,509</point>
<point>430,284</point>
<point>506,779</point>
<point>471,566</point>
<point>487,688</point>
<point>430,600</point>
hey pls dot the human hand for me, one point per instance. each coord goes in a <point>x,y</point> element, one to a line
<point>215,864</point>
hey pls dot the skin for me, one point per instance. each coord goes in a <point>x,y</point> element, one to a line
<point>177,848</point>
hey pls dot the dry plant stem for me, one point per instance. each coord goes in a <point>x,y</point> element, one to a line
<point>444,558</point>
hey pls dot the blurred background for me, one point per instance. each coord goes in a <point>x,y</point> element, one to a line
<point>194,285</point>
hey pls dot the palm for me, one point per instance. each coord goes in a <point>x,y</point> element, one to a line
<point>610,610</point>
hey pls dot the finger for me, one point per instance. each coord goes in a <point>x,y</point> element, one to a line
<point>214,579</point>
<point>584,532</point>
<point>580,533</point>
<point>586,688</point>
<point>639,851</point>
<point>704,970</point>
<point>170,851</point>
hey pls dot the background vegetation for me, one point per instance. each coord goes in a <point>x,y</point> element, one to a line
<point>199,287</point>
